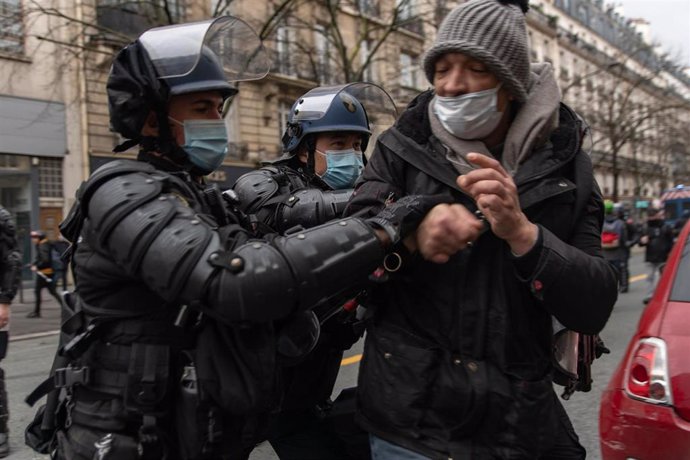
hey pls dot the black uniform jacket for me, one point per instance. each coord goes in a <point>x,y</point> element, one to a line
<point>457,361</point>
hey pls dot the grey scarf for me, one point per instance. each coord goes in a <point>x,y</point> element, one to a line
<point>534,122</point>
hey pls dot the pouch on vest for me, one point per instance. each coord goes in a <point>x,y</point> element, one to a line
<point>242,379</point>
<point>197,421</point>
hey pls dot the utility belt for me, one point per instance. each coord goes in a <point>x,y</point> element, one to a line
<point>139,394</point>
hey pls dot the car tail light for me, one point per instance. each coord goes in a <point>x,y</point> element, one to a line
<point>647,373</point>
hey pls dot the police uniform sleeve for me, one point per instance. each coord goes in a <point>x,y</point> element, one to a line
<point>283,207</point>
<point>156,237</point>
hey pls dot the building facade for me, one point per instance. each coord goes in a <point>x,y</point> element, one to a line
<point>40,128</point>
<point>55,56</point>
<point>635,99</point>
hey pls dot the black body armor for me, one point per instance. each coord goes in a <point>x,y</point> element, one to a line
<point>167,276</point>
<point>282,197</point>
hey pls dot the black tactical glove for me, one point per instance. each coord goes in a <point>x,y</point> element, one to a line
<point>401,218</point>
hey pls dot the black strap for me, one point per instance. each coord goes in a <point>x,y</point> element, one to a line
<point>126,145</point>
<point>40,391</point>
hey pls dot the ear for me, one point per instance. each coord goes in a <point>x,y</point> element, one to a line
<point>150,127</point>
<point>302,155</point>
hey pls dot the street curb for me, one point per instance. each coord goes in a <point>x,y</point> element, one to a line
<point>34,335</point>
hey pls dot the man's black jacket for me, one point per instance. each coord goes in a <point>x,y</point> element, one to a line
<point>458,359</point>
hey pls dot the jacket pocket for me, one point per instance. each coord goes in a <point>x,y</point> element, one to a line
<point>521,421</point>
<point>459,396</point>
<point>394,380</point>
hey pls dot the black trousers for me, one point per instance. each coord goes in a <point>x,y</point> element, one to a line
<point>304,435</point>
<point>44,283</point>
<point>4,404</point>
<point>566,443</point>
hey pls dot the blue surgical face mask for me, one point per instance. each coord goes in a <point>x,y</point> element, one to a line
<point>470,116</point>
<point>206,143</point>
<point>343,167</point>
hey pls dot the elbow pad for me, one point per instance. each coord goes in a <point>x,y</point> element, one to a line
<point>331,261</point>
<point>262,281</point>
<point>311,207</point>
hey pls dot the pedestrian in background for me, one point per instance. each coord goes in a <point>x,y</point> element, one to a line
<point>10,267</point>
<point>680,223</point>
<point>60,246</point>
<point>458,355</point>
<point>657,238</point>
<point>43,268</point>
<point>614,240</point>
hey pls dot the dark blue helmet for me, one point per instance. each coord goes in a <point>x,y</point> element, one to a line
<point>325,109</point>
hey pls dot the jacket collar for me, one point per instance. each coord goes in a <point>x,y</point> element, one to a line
<point>411,139</point>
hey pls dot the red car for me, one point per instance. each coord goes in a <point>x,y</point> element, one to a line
<point>645,410</point>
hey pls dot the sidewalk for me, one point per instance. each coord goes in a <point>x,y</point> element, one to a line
<point>22,327</point>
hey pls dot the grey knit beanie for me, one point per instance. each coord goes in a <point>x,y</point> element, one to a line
<point>492,32</point>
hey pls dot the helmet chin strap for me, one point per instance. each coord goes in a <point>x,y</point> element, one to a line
<point>168,147</point>
<point>310,146</point>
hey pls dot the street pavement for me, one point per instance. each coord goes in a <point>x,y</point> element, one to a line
<point>22,327</point>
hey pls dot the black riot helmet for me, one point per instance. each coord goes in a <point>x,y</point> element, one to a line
<point>208,75</point>
<point>359,107</point>
<point>180,59</point>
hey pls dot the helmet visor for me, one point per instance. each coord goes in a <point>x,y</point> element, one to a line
<point>377,103</point>
<point>175,50</point>
<point>380,108</point>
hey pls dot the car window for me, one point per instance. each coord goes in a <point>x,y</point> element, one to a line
<point>681,287</point>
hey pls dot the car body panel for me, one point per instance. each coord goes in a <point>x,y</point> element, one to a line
<point>630,428</point>
<point>633,429</point>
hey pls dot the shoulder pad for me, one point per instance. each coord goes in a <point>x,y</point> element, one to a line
<point>71,226</point>
<point>254,188</point>
<point>108,171</point>
<point>118,197</point>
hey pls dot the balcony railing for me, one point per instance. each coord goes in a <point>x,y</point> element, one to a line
<point>413,24</point>
<point>132,19</point>
<point>11,28</point>
<point>297,63</point>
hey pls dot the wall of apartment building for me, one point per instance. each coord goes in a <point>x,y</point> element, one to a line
<point>263,106</point>
<point>259,112</point>
<point>257,118</point>
<point>589,68</point>
<point>40,136</point>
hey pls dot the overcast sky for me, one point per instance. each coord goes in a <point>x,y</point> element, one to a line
<point>669,23</point>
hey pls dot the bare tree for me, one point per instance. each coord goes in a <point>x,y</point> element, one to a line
<point>629,114</point>
<point>339,41</point>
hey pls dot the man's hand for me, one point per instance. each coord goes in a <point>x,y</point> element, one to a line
<point>496,196</point>
<point>400,218</point>
<point>33,268</point>
<point>446,230</point>
<point>4,314</point>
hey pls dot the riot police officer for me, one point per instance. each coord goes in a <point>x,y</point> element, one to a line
<point>170,349</point>
<point>327,132</point>
<point>10,266</point>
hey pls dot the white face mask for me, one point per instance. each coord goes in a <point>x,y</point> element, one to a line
<point>470,116</point>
